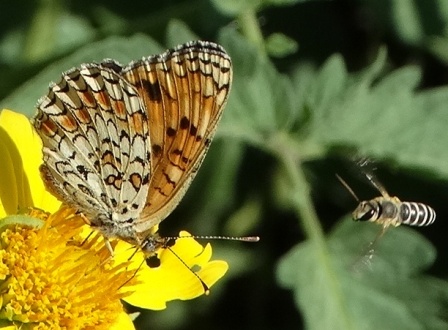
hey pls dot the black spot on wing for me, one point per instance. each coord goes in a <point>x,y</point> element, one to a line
<point>152,90</point>
<point>156,150</point>
<point>170,132</point>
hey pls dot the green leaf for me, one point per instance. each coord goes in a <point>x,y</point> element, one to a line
<point>235,7</point>
<point>330,82</point>
<point>407,21</point>
<point>280,45</point>
<point>11,45</point>
<point>24,98</point>
<point>244,219</point>
<point>383,117</point>
<point>285,2</point>
<point>179,33</point>
<point>54,31</point>
<point>391,294</point>
<point>438,45</point>
<point>380,116</point>
<point>41,35</point>
<point>109,22</point>
<point>73,31</point>
<point>261,100</point>
<point>215,186</point>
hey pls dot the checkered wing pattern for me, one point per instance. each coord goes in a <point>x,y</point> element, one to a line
<point>96,146</point>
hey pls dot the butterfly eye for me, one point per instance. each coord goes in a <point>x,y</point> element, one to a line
<point>153,262</point>
<point>170,242</point>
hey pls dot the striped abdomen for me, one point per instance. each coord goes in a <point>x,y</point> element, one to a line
<point>416,214</point>
<point>391,211</point>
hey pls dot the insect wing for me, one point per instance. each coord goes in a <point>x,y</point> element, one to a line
<point>95,143</point>
<point>367,167</point>
<point>365,260</point>
<point>184,91</point>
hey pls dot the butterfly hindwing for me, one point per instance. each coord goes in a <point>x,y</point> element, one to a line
<point>95,138</point>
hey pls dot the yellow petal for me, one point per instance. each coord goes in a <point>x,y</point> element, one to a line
<point>123,322</point>
<point>8,186</point>
<point>20,183</point>
<point>174,278</point>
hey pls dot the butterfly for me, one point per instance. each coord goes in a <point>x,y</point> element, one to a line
<point>122,144</point>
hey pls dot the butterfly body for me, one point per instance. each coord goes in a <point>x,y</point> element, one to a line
<point>122,144</point>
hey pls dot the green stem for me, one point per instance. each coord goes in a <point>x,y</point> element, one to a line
<point>41,39</point>
<point>250,28</point>
<point>304,209</point>
<point>300,197</point>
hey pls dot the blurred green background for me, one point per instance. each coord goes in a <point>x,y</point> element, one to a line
<point>315,84</point>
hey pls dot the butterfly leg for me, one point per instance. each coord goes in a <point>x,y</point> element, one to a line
<point>109,246</point>
<point>106,240</point>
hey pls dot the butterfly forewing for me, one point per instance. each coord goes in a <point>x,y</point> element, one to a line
<point>184,91</point>
<point>96,146</point>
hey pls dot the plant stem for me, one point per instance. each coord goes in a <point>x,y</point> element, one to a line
<point>251,30</point>
<point>41,39</point>
<point>304,209</point>
<point>300,196</point>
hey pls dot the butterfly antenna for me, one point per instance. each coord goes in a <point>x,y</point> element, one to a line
<point>350,190</point>
<point>204,285</point>
<point>250,239</point>
<point>226,238</point>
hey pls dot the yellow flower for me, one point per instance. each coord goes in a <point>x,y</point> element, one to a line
<point>52,276</point>
<point>172,279</point>
<point>50,279</point>
<point>21,155</point>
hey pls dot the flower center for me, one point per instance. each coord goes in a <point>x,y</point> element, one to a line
<point>51,277</point>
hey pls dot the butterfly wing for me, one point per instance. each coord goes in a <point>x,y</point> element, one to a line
<point>185,91</point>
<point>95,137</point>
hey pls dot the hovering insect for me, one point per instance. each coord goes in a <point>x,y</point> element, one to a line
<point>387,210</point>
